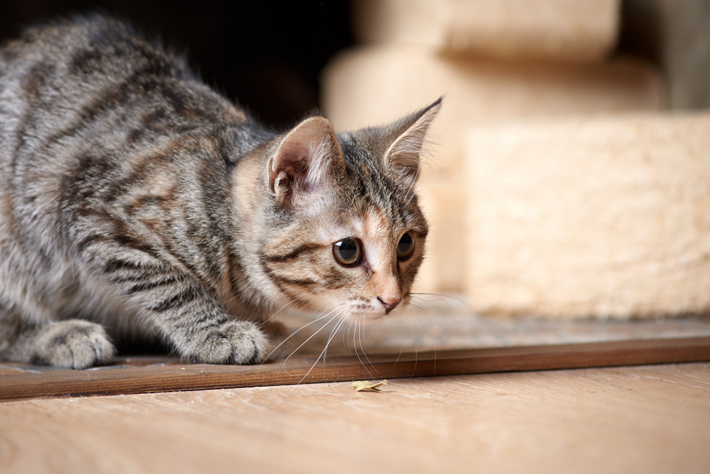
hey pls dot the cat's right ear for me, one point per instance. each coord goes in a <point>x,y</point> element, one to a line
<point>305,164</point>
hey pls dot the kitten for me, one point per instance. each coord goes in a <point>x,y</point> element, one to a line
<point>135,202</point>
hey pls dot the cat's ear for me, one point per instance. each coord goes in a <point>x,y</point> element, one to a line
<point>306,163</point>
<point>407,134</point>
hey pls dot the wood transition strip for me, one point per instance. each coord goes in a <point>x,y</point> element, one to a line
<point>114,380</point>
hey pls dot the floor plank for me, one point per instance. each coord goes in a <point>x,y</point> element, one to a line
<point>651,419</point>
<point>439,335</point>
<point>165,376</point>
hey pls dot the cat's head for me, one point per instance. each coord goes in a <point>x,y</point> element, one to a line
<point>343,232</point>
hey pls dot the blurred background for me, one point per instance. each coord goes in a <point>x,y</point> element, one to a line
<point>270,53</point>
<point>569,167</point>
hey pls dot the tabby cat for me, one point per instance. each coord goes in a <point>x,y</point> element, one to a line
<point>136,202</point>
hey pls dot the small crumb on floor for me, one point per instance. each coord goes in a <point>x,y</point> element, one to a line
<point>368,386</point>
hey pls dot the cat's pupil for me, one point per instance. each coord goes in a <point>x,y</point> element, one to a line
<point>347,251</point>
<point>405,247</point>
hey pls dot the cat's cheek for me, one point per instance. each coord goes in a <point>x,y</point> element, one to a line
<point>408,272</point>
<point>323,303</point>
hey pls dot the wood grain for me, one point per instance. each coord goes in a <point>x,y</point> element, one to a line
<point>165,376</point>
<point>644,419</point>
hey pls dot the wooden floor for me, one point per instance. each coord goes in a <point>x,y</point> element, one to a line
<point>651,419</point>
<point>643,418</point>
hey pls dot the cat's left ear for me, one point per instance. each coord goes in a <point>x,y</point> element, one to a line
<point>306,163</point>
<point>404,154</point>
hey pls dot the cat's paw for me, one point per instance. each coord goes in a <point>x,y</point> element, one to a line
<point>234,342</point>
<point>73,344</point>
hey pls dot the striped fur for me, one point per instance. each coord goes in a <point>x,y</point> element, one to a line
<point>135,202</point>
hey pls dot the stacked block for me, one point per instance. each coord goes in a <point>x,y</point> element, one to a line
<point>549,30</point>
<point>497,62</point>
<point>590,217</point>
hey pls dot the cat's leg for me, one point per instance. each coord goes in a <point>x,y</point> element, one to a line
<point>44,338</point>
<point>72,343</point>
<point>10,326</point>
<point>186,313</point>
<point>198,327</point>
<point>201,332</point>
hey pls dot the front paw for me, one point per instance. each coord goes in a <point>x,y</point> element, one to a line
<point>234,342</point>
<point>74,344</point>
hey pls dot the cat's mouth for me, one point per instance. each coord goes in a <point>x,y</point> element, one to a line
<point>375,310</point>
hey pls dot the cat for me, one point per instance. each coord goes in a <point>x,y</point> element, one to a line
<point>136,202</point>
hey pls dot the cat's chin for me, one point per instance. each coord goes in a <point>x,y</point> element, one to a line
<point>366,318</point>
<point>370,316</point>
<point>360,316</point>
<point>373,314</point>
<point>356,312</point>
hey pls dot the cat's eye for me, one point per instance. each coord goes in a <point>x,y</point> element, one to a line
<point>405,246</point>
<point>347,252</point>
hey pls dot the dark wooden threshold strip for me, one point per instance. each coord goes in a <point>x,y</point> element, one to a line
<point>171,376</point>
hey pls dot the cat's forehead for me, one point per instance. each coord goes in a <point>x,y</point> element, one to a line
<point>370,142</point>
<point>358,149</point>
<point>364,217</point>
<point>371,190</point>
<point>368,176</point>
<point>368,224</point>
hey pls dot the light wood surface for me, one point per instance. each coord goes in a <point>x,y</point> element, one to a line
<point>650,419</point>
<point>162,375</point>
<point>441,335</point>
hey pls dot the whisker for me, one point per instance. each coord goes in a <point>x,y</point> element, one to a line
<point>312,336</point>
<point>320,318</point>
<point>334,332</point>
<point>279,310</point>
<point>356,351</point>
<point>401,351</point>
<point>325,349</point>
<point>415,305</point>
<point>417,342</point>
<point>443,297</point>
<point>364,352</point>
<point>414,328</point>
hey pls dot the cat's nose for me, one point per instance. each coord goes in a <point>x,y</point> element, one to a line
<point>389,302</point>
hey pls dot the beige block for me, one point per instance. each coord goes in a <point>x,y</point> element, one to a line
<point>559,30</point>
<point>605,217</point>
<point>375,85</point>
<point>442,270</point>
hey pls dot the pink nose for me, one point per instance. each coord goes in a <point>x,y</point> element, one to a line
<point>389,303</point>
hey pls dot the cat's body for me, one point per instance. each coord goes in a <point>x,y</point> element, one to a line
<point>136,202</point>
